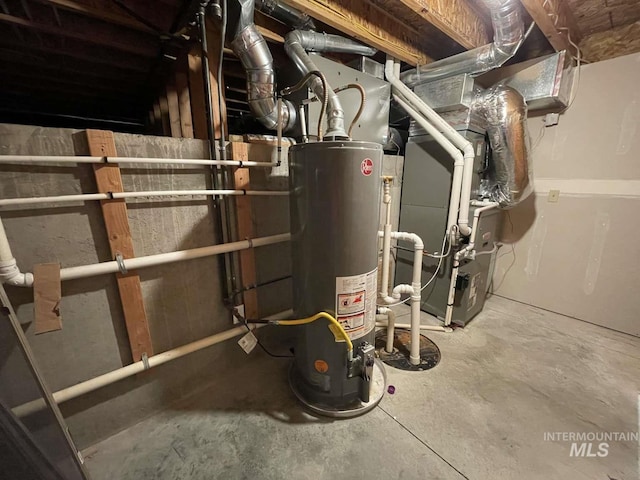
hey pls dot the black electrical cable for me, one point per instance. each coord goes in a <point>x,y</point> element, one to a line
<point>245,322</point>
<point>239,291</point>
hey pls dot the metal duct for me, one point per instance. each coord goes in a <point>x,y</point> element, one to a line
<point>509,178</point>
<point>325,42</point>
<point>286,14</point>
<point>294,45</point>
<point>251,48</point>
<point>508,34</point>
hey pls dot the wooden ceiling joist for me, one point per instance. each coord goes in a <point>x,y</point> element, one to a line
<point>98,13</point>
<point>84,35</point>
<point>53,51</point>
<point>360,20</point>
<point>456,19</point>
<point>556,21</point>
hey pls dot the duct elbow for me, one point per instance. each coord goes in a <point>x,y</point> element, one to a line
<point>252,50</point>
<point>509,177</point>
<point>508,35</point>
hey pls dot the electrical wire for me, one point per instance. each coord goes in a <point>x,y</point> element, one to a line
<point>289,90</point>
<point>336,328</point>
<point>236,314</point>
<point>363,99</point>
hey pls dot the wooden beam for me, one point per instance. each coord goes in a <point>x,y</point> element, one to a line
<point>555,23</point>
<point>143,49</point>
<point>56,47</point>
<point>99,13</point>
<point>164,114</point>
<point>244,216</point>
<point>184,102</point>
<point>219,105</point>
<point>271,29</point>
<point>196,93</point>
<point>360,20</point>
<point>455,18</point>
<point>174,108</point>
<point>108,179</point>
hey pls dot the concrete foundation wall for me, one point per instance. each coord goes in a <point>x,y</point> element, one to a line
<point>183,301</point>
<point>578,256</point>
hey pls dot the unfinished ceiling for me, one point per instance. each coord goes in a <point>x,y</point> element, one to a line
<point>77,61</point>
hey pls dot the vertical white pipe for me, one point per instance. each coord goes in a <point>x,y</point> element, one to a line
<point>458,140</point>
<point>386,240</point>
<point>416,296</point>
<point>390,325</point>
<point>5,248</point>
<point>450,148</point>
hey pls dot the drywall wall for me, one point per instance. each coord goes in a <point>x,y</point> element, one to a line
<point>183,301</point>
<point>578,255</point>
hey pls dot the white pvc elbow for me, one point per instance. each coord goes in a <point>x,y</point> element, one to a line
<point>10,274</point>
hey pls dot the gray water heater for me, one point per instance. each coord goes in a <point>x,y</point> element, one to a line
<point>335,197</point>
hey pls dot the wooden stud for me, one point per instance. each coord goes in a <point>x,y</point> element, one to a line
<point>108,179</point>
<point>244,216</point>
<point>196,93</point>
<point>213,37</point>
<point>164,115</point>
<point>174,109</point>
<point>184,102</point>
<point>157,115</point>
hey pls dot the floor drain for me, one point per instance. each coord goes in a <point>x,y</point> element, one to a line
<point>399,358</point>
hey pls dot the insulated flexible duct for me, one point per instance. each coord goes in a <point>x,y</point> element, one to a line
<point>509,177</point>
<point>508,31</point>
<point>251,48</point>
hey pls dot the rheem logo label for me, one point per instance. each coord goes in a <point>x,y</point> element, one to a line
<point>366,167</point>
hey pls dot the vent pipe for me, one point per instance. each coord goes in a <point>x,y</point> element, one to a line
<point>508,35</point>
<point>250,47</point>
<point>286,14</point>
<point>297,43</point>
<point>509,177</point>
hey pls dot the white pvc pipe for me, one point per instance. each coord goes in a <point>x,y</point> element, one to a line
<point>10,274</point>
<point>103,268</point>
<point>458,140</point>
<point>114,376</point>
<point>30,159</point>
<point>124,195</point>
<point>5,248</point>
<point>386,243</point>
<point>391,323</point>
<point>415,290</point>
<point>450,148</point>
<point>407,326</point>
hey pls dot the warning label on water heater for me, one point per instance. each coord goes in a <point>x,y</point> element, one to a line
<point>356,303</point>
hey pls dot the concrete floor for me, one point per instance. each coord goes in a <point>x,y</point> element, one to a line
<point>513,374</point>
